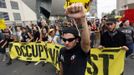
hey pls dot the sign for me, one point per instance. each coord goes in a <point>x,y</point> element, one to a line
<point>84,2</point>
<point>2,24</point>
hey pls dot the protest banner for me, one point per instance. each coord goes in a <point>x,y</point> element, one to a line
<point>108,61</point>
<point>34,51</point>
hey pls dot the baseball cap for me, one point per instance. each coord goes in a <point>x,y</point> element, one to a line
<point>50,30</point>
<point>111,20</point>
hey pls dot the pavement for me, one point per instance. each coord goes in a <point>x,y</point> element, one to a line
<point>20,68</point>
<point>129,66</point>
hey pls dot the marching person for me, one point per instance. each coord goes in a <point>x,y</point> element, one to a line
<point>129,33</point>
<point>73,57</point>
<point>113,37</point>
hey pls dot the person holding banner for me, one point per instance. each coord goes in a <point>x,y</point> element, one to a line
<point>113,37</point>
<point>73,57</point>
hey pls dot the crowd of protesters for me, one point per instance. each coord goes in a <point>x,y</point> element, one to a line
<point>52,33</point>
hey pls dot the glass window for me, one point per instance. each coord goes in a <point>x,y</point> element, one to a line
<point>17,16</point>
<point>14,5</point>
<point>4,15</point>
<point>2,4</point>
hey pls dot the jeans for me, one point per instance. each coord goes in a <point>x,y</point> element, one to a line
<point>92,38</point>
<point>131,49</point>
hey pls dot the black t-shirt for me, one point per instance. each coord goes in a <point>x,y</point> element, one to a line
<point>73,61</point>
<point>8,40</point>
<point>25,36</point>
<point>110,39</point>
<point>45,38</point>
<point>36,34</point>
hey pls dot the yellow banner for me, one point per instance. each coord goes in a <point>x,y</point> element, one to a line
<point>2,24</point>
<point>109,61</point>
<point>85,3</point>
<point>34,51</point>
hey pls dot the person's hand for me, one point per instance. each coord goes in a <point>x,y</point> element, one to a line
<point>76,10</point>
<point>124,48</point>
<point>100,47</point>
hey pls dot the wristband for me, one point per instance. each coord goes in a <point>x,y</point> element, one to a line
<point>80,27</point>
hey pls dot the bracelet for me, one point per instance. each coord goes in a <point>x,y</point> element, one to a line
<point>80,27</point>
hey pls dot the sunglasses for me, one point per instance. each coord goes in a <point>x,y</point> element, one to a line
<point>69,40</point>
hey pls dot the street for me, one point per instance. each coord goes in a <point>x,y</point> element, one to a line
<point>20,68</point>
<point>129,67</point>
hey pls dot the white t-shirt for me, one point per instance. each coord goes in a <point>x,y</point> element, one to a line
<point>53,39</point>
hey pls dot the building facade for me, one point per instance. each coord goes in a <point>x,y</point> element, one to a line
<point>93,8</point>
<point>46,7</point>
<point>54,7</point>
<point>16,11</point>
<point>123,5</point>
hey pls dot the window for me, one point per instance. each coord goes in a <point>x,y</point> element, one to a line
<point>4,15</point>
<point>2,4</point>
<point>14,5</point>
<point>17,16</point>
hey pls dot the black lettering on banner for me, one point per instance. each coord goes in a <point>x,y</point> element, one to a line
<point>86,5</point>
<point>21,51</point>
<point>40,50</point>
<point>22,48</point>
<point>95,69</point>
<point>117,50</point>
<point>46,51</point>
<point>52,54</point>
<point>57,47</point>
<point>18,50</point>
<point>28,54</point>
<point>34,52</point>
<point>106,58</point>
<point>68,2</point>
<point>56,54</point>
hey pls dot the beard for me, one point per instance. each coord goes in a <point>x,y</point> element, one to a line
<point>68,48</point>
